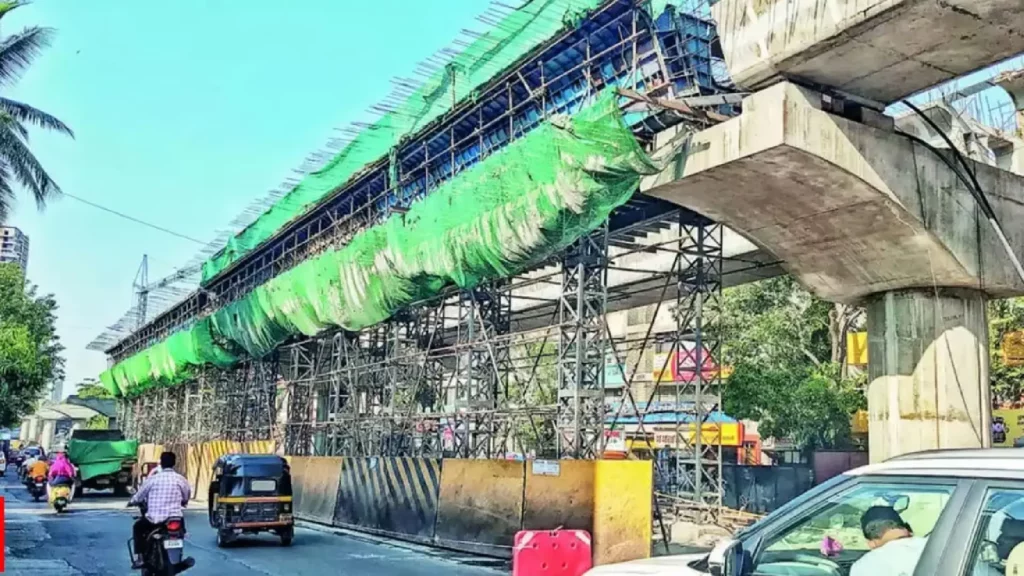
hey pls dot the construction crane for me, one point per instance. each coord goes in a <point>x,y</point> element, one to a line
<point>143,288</point>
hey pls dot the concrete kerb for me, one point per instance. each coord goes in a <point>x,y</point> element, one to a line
<point>435,551</point>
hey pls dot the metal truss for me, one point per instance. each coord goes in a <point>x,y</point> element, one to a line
<point>235,404</point>
<point>582,347</point>
<point>698,362</point>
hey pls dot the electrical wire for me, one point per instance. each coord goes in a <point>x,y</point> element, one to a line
<point>973,186</point>
<point>132,218</point>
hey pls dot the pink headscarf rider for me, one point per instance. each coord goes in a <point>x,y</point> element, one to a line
<point>61,467</point>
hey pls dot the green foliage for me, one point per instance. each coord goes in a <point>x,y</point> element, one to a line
<point>779,339</point>
<point>29,347</point>
<point>1004,316</point>
<point>535,384</point>
<point>97,423</point>
<point>810,406</point>
<point>92,390</point>
<point>776,324</point>
<point>17,163</point>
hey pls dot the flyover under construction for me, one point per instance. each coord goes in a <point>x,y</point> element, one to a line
<point>508,350</point>
<point>494,364</point>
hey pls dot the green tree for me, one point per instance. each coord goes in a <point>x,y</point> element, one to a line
<point>534,384</point>
<point>93,389</point>
<point>30,351</point>
<point>97,423</point>
<point>787,348</point>
<point>1004,316</point>
<point>17,162</point>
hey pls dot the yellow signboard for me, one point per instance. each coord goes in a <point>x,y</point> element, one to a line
<point>725,434</point>
<point>857,348</point>
<point>1008,428</point>
<point>1013,349</point>
<point>859,422</point>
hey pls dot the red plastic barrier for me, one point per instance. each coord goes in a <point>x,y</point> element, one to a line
<point>543,552</point>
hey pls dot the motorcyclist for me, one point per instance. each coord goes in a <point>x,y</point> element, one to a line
<point>35,469</point>
<point>165,494</point>
<point>62,472</point>
<point>28,461</point>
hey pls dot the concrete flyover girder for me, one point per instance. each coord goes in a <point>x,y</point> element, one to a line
<point>851,210</point>
<point>882,50</point>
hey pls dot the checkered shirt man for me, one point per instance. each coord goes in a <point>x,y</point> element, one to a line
<point>163,494</point>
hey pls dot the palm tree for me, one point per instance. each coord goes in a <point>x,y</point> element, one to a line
<point>17,163</point>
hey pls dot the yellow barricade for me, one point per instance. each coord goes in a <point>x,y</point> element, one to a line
<point>559,493</point>
<point>622,510</point>
<point>315,487</point>
<point>481,505</point>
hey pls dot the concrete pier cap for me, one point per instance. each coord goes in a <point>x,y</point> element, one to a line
<point>882,50</point>
<point>864,215</point>
<point>850,209</point>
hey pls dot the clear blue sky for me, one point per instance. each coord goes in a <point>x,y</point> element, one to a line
<point>183,113</point>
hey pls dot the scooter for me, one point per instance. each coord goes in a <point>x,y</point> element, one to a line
<point>60,497</point>
<point>37,488</point>
<point>164,551</point>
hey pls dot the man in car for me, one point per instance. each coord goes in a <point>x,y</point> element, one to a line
<point>894,550</point>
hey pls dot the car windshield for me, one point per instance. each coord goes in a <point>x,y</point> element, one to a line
<point>811,494</point>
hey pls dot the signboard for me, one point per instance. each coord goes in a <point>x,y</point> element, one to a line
<point>857,348</point>
<point>725,434</point>
<point>859,422</point>
<point>614,373</point>
<point>546,468</point>
<point>1008,428</point>
<point>615,441</point>
<point>1013,349</point>
<point>681,366</point>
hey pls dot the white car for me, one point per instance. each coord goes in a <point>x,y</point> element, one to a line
<point>3,464</point>
<point>967,506</point>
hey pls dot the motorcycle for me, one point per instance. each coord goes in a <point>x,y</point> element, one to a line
<point>163,553</point>
<point>60,497</point>
<point>37,488</point>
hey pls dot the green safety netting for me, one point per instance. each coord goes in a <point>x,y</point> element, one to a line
<point>513,209</point>
<point>98,458</point>
<point>533,23</point>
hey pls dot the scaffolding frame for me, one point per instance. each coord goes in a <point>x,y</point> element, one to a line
<point>510,367</point>
<point>516,366</point>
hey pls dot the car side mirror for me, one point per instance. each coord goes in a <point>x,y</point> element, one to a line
<point>726,558</point>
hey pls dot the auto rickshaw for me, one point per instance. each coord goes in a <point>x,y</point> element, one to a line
<point>249,494</point>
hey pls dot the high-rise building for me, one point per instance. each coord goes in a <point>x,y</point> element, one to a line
<point>57,391</point>
<point>13,246</point>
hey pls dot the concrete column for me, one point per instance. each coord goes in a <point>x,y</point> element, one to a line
<point>928,371</point>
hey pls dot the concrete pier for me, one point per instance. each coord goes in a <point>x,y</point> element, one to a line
<point>928,372</point>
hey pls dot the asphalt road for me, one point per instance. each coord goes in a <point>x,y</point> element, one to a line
<point>90,539</point>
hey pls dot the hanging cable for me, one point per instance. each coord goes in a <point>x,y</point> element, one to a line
<point>972,184</point>
<point>132,218</point>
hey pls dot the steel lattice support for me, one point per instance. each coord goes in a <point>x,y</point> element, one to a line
<point>698,357</point>
<point>510,367</point>
<point>582,346</point>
